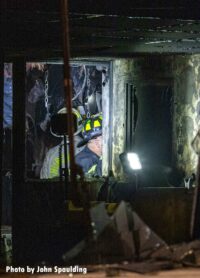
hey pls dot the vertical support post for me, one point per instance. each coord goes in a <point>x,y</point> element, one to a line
<point>1,132</point>
<point>68,90</point>
<point>107,121</point>
<point>18,207</point>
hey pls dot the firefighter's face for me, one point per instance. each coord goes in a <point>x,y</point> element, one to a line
<point>98,142</point>
<point>96,145</point>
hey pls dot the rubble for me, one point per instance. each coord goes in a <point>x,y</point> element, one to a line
<point>124,242</point>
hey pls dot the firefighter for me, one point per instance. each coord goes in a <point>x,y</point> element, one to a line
<point>89,159</point>
<point>51,164</point>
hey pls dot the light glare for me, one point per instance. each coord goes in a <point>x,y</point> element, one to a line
<point>134,161</point>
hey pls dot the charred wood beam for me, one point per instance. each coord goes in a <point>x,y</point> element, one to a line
<point>96,37</point>
<point>101,49</point>
<point>42,39</point>
<point>140,24</point>
<point>132,34</point>
<point>23,25</point>
<point>162,43</point>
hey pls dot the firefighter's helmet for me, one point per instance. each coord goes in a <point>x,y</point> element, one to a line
<point>92,128</point>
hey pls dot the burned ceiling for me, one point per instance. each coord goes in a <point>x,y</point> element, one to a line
<point>120,29</point>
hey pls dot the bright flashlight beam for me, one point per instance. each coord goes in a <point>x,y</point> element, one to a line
<point>134,161</point>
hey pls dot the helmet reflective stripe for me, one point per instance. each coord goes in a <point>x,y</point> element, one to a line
<point>97,123</point>
<point>87,126</point>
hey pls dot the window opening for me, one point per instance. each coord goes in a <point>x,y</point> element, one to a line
<point>45,100</point>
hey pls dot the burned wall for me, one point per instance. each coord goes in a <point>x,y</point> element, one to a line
<point>123,71</point>
<point>186,71</point>
<point>174,84</point>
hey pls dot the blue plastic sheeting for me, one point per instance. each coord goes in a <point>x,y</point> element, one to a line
<point>8,101</point>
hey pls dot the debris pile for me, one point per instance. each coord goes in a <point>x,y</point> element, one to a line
<point>124,242</point>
